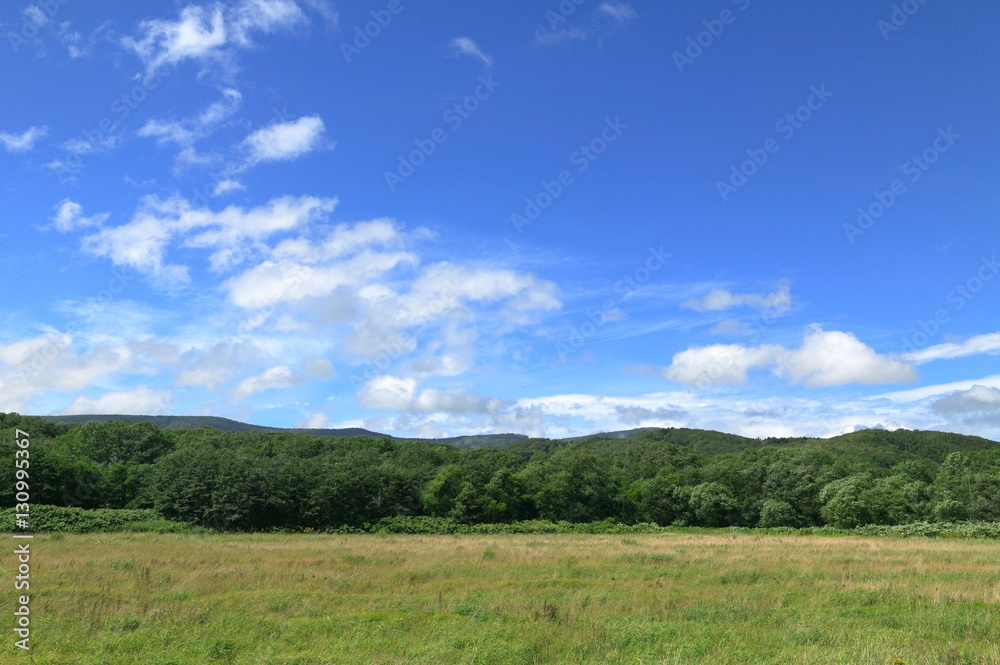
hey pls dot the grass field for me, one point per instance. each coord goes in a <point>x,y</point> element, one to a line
<point>170,599</point>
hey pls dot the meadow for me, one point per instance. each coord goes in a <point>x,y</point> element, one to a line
<point>307,599</point>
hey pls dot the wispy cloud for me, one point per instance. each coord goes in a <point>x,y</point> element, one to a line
<point>988,344</point>
<point>24,141</point>
<point>718,300</point>
<point>69,217</point>
<point>212,33</point>
<point>618,11</point>
<point>604,20</point>
<point>465,46</point>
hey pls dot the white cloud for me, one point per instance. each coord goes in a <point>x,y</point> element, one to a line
<point>325,9</point>
<point>980,344</point>
<point>727,327</point>
<point>282,376</point>
<point>281,141</point>
<point>50,363</point>
<point>35,14</point>
<point>19,352</point>
<point>186,132</point>
<point>273,377</point>
<point>139,402</point>
<point>69,217</point>
<point>388,392</point>
<point>233,233</point>
<point>400,394</point>
<point>936,390</point>
<point>826,358</point>
<point>722,299</point>
<point>225,186</point>
<point>605,19</point>
<point>91,145</point>
<point>213,33</point>
<point>24,141</point>
<point>640,416</point>
<point>465,46</point>
<point>317,420</point>
<point>619,11</point>
<point>978,400</point>
<point>719,364</point>
<point>833,358</point>
<point>574,33</point>
<point>271,282</point>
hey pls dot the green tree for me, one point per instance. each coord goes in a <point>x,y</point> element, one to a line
<point>714,505</point>
<point>774,512</point>
<point>843,505</point>
<point>573,484</point>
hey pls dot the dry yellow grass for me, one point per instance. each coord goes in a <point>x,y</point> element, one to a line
<point>666,598</point>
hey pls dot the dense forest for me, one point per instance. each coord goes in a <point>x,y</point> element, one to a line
<point>252,480</point>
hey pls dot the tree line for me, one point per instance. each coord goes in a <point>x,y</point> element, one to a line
<point>254,480</point>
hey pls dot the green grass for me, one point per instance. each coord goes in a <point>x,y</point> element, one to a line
<point>267,599</point>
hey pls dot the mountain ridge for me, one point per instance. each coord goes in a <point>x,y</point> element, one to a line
<point>706,441</point>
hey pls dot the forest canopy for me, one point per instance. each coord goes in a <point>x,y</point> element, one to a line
<point>254,480</point>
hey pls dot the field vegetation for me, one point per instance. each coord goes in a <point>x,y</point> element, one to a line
<point>270,599</point>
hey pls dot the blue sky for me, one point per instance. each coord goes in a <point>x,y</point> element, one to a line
<point>552,218</point>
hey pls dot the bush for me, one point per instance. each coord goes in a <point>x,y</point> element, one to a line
<point>81,520</point>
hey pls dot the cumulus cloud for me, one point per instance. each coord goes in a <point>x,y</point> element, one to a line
<point>52,363</point>
<point>233,233</point>
<point>273,377</point>
<point>317,420</point>
<point>400,394</point>
<point>719,364</point>
<point>722,299</point>
<point>833,358</point>
<point>282,141</point>
<point>139,402</point>
<point>212,33</point>
<point>24,141</point>
<point>977,404</point>
<point>826,358</point>
<point>69,217</point>
<point>465,46</point>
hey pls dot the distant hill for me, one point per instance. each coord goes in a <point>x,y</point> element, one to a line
<point>227,425</point>
<point>881,446</point>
